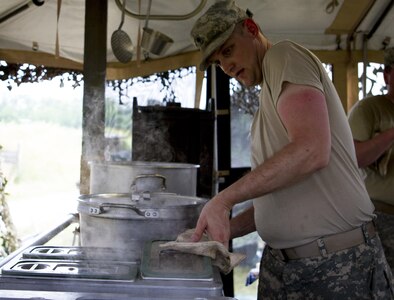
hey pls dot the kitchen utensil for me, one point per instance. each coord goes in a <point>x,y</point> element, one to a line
<point>121,43</point>
<point>154,41</point>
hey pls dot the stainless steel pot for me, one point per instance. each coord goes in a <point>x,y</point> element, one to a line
<point>127,220</point>
<point>119,177</point>
<point>154,41</point>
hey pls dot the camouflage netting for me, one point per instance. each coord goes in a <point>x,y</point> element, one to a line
<point>8,239</point>
<point>244,99</point>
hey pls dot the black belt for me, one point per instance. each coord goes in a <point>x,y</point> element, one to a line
<point>328,244</point>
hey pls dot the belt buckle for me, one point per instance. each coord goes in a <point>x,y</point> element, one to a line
<point>322,247</point>
<point>368,230</point>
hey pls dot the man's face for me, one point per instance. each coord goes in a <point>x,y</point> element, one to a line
<point>238,57</point>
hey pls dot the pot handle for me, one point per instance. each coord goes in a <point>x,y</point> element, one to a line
<point>141,177</point>
<point>147,213</point>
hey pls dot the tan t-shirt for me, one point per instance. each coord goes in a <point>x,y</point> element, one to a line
<point>367,118</point>
<point>331,200</point>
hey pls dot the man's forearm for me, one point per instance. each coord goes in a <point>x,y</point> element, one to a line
<point>369,151</point>
<point>243,223</point>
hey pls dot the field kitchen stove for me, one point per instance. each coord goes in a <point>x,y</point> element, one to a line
<point>43,272</point>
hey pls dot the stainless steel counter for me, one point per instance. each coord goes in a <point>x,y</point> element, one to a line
<point>22,295</point>
<point>29,277</point>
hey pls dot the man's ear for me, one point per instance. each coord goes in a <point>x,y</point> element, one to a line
<point>251,27</point>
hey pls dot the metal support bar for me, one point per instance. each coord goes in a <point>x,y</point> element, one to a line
<point>164,17</point>
<point>380,20</point>
<point>43,237</point>
<point>14,11</point>
<point>365,57</point>
<point>18,9</point>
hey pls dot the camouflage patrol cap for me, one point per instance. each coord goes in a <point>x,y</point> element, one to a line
<point>214,27</point>
<point>389,57</point>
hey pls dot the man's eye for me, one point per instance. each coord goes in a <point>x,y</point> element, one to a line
<point>227,51</point>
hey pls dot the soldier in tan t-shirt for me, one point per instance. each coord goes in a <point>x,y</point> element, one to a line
<point>310,203</point>
<point>372,124</point>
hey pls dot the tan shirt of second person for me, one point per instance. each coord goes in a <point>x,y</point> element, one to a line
<point>367,118</point>
<point>332,200</point>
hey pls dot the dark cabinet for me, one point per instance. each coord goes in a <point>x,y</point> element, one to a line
<point>176,134</point>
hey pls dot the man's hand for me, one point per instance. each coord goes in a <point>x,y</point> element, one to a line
<point>214,221</point>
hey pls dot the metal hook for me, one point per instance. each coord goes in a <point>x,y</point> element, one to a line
<point>331,6</point>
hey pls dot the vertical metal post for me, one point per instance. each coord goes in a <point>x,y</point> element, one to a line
<point>365,61</point>
<point>94,71</point>
<point>218,88</point>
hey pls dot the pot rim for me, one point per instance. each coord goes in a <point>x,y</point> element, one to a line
<point>145,164</point>
<point>155,196</point>
<point>104,208</point>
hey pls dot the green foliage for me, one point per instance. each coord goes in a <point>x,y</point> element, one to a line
<point>44,186</point>
<point>117,116</point>
<point>8,239</point>
<point>245,99</point>
<point>240,140</point>
<point>64,112</point>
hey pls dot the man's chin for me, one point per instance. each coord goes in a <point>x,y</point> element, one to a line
<point>246,83</point>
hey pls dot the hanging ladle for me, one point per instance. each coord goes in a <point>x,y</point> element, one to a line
<point>121,43</point>
<point>154,41</point>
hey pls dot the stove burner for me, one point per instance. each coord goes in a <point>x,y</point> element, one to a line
<point>73,269</point>
<point>81,253</point>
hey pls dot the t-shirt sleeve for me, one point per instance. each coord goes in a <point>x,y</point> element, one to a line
<point>288,63</point>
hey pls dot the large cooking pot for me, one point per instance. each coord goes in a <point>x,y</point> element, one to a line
<point>128,220</point>
<point>119,177</point>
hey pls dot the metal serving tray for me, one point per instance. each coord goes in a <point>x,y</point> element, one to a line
<point>173,265</point>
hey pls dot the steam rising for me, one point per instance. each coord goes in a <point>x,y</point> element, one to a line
<point>151,143</point>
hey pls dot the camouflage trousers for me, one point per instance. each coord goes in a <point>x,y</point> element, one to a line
<point>385,226</point>
<point>360,272</point>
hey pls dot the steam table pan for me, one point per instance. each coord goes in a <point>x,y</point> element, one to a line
<point>162,264</point>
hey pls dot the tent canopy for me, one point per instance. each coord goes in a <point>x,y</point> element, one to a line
<point>51,32</point>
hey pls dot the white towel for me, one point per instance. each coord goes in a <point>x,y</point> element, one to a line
<point>221,257</point>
